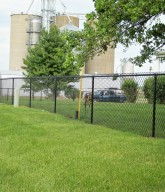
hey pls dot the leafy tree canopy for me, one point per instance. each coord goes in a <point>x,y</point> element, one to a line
<point>126,22</point>
<point>54,54</point>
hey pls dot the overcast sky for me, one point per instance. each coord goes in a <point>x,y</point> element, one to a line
<point>9,7</point>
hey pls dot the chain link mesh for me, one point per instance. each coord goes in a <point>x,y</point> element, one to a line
<point>123,102</point>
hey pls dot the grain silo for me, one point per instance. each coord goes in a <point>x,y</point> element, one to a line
<point>128,67</point>
<point>101,64</point>
<point>35,23</point>
<point>62,20</point>
<point>24,33</point>
<point>25,30</point>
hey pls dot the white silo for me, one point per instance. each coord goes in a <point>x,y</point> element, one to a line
<point>127,67</point>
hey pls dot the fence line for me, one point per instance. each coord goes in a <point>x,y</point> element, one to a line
<point>136,109</point>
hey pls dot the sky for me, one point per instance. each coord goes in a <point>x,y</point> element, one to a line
<point>9,7</point>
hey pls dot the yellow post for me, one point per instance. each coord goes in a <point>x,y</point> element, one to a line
<point>80,93</point>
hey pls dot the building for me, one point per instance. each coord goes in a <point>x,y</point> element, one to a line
<point>24,33</point>
<point>25,30</point>
<point>101,64</point>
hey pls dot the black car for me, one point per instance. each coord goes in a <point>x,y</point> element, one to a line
<point>110,95</point>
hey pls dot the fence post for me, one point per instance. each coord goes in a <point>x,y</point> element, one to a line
<point>16,97</point>
<point>92,99</point>
<point>55,94</point>
<point>30,94</point>
<point>12,91</point>
<point>7,94</point>
<point>154,106</point>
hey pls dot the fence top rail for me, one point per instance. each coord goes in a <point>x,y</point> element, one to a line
<point>87,76</point>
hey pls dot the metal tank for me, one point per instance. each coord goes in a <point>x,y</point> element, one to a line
<point>128,67</point>
<point>35,24</point>
<point>24,33</point>
<point>102,64</point>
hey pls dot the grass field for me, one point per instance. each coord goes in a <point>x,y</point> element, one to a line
<point>45,152</point>
<point>136,117</point>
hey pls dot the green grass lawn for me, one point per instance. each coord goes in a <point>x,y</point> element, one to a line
<point>132,117</point>
<point>45,152</point>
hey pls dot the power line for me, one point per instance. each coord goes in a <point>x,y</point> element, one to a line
<point>30,6</point>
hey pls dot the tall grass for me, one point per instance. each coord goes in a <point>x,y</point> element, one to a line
<point>44,152</point>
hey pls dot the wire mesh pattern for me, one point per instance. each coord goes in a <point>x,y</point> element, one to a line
<point>126,102</point>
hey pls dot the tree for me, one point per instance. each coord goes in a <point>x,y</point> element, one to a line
<point>148,89</point>
<point>126,22</point>
<point>75,43</point>
<point>130,87</point>
<point>52,56</point>
<point>71,92</point>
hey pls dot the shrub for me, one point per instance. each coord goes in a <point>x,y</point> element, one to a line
<point>130,88</point>
<point>148,89</point>
<point>71,93</point>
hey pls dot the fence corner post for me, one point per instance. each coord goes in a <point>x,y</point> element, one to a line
<point>16,97</point>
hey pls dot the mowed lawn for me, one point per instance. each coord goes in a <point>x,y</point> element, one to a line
<point>45,152</point>
<point>130,117</point>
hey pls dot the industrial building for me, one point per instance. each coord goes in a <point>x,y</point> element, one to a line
<point>101,64</point>
<point>24,33</point>
<point>25,30</point>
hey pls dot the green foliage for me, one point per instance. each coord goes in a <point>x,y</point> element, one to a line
<point>52,56</point>
<point>130,88</point>
<point>126,22</point>
<point>149,89</point>
<point>75,46</point>
<point>160,89</point>
<point>71,93</point>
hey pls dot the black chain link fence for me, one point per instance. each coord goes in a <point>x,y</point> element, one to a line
<point>126,102</point>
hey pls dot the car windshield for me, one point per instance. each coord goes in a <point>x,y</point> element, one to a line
<point>97,92</point>
<point>119,91</point>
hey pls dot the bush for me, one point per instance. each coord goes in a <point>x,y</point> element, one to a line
<point>130,88</point>
<point>71,93</point>
<point>148,89</point>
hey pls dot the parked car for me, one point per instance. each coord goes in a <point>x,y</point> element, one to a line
<point>110,95</point>
<point>97,94</point>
